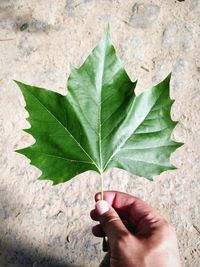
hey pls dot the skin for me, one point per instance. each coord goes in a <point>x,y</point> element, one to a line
<point>137,235</point>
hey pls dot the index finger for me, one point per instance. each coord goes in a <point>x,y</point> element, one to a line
<point>129,207</point>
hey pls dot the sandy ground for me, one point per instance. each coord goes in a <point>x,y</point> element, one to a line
<point>44,225</point>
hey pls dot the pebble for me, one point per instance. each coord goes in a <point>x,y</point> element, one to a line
<point>144,15</point>
<point>183,33</point>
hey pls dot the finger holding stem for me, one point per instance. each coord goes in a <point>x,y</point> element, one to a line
<point>105,243</point>
<point>102,185</point>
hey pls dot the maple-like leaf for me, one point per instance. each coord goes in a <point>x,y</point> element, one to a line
<point>100,123</point>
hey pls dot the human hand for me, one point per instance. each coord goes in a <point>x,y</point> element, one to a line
<point>137,235</point>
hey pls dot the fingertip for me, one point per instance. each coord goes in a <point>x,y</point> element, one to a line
<point>102,207</point>
<point>97,196</point>
<point>98,231</point>
<point>93,215</point>
<point>107,195</point>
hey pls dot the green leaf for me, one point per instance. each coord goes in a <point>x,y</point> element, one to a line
<point>100,123</point>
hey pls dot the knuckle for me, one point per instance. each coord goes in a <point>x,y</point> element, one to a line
<point>123,240</point>
<point>165,224</point>
<point>172,228</point>
<point>167,227</point>
<point>109,218</point>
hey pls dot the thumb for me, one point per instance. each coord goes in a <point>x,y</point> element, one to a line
<point>110,221</point>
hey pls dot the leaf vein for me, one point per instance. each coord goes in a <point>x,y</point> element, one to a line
<point>67,159</point>
<point>92,161</point>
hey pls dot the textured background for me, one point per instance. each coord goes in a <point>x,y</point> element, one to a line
<point>42,225</point>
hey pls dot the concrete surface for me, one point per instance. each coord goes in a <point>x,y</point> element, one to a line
<point>42,225</point>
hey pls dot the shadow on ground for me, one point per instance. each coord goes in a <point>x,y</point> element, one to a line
<point>14,251</point>
<point>11,255</point>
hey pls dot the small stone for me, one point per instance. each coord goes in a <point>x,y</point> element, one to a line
<point>39,26</point>
<point>193,5</point>
<point>68,239</point>
<point>69,7</point>
<point>144,15</point>
<point>178,36</point>
<point>180,66</point>
<point>24,27</point>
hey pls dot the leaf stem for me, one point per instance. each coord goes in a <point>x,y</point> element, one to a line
<point>102,184</point>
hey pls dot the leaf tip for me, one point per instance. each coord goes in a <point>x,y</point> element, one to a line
<point>20,151</point>
<point>169,76</point>
<point>21,85</point>
<point>168,79</point>
<point>107,28</point>
<point>71,67</point>
<point>28,130</point>
<point>18,83</point>
<point>151,179</point>
<point>179,144</point>
<point>173,167</point>
<point>41,177</point>
<point>107,32</point>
